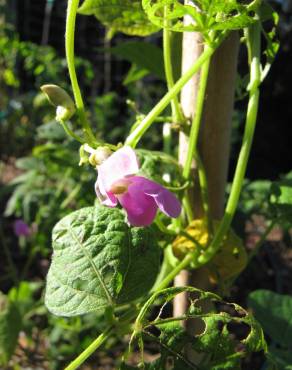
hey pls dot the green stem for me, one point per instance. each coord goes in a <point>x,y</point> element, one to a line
<point>69,47</point>
<point>255,78</point>
<point>190,257</point>
<point>193,142</point>
<point>136,134</point>
<point>69,132</point>
<point>203,181</point>
<point>195,128</point>
<point>165,269</point>
<point>90,349</point>
<point>187,206</point>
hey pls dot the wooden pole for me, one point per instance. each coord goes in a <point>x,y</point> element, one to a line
<point>214,141</point>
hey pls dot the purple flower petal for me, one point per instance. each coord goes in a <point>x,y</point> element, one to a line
<point>165,200</point>
<point>141,209</point>
<point>119,165</point>
<point>21,228</point>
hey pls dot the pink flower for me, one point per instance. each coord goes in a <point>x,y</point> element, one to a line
<point>21,228</point>
<point>140,197</point>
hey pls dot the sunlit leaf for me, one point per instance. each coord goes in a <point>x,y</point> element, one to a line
<point>229,332</point>
<point>99,261</point>
<point>205,15</point>
<point>125,16</point>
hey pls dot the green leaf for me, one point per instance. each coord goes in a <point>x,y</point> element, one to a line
<point>125,16</point>
<point>24,295</point>
<point>281,358</point>
<point>206,15</point>
<point>10,325</point>
<point>135,73</point>
<point>99,261</point>
<point>274,312</point>
<point>51,131</point>
<point>144,266</point>
<point>143,54</point>
<point>229,333</point>
<point>267,13</point>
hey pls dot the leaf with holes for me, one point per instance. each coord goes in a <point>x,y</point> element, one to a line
<point>228,332</point>
<point>125,16</point>
<point>97,258</point>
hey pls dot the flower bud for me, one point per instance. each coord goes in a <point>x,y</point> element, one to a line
<point>83,156</point>
<point>61,100</point>
<point>99,156</point>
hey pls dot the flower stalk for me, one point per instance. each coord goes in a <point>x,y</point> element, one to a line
<point>69,48</point>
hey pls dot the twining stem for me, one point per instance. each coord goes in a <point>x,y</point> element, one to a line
<point>69,48</point>
<point>190,257</point>
<point>193,145</point>
<point>195,128</point>
<point>136,134</point>
<point>255,78</point>
<point>204,194</point>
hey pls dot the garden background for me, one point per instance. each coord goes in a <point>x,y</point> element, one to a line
<point>41,182</point>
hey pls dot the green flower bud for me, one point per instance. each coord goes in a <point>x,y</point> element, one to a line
<point>99,155</point>
<point>83,156</point>
<point>61,100</point>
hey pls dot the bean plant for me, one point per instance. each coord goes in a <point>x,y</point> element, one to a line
<point>120,256</point>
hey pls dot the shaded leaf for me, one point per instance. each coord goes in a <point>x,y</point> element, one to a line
<point>230,259</point>
<point>143,54</point>
<point>135,74</point>
<point>281,200</point>
<point>280,358</point>
<point>10,325</point>
<point>274,312</point>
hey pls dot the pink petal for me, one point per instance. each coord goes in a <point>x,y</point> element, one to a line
<point>119,165</point>
<point>165,200</point>
<point>141,209</point>
<point>106,198</point>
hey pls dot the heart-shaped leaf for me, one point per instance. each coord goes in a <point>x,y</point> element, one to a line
<point>99,261</point>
